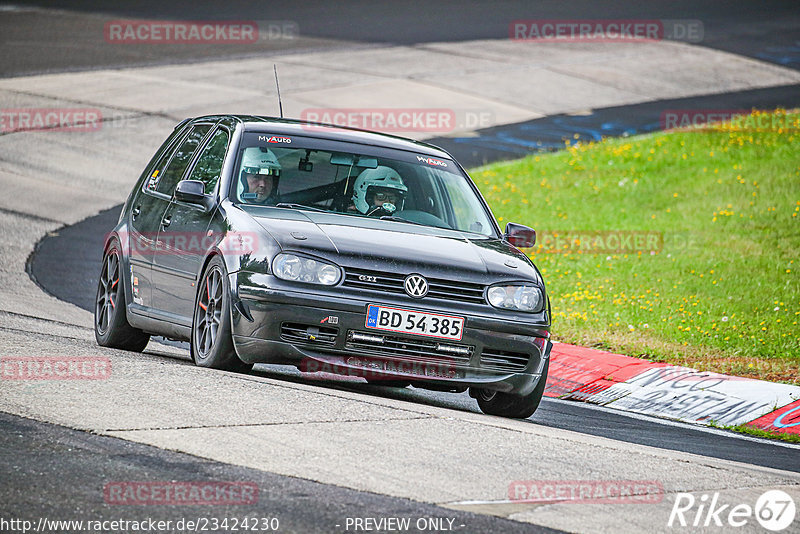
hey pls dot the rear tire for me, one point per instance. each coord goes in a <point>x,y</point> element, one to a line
<point>212,343</point>
<point>510,405</point>
<point>111,327</point>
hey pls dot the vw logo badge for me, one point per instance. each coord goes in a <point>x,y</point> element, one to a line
<point>416,286</point>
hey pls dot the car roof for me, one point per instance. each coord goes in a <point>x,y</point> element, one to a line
<point>275,125</point>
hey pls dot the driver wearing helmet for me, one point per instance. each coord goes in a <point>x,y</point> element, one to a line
<point>259,176</point>
<point>379,190</point>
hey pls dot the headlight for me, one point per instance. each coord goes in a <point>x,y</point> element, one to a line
<point>301,269</point>
<point>525,298</point>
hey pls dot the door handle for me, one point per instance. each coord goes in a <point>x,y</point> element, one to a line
<point>135,212</point>
<point>166,221</point>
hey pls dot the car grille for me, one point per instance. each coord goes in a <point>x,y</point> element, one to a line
<point>394,283</point>
<point>305,333</point>
<point>502,360</point>
<point>409,349</point>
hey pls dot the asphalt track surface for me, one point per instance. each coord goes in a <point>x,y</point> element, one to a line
<point>766,30</point>
<point>74,254</point>
<point>68,469</point>
<point>65,464</point>
<point>511,141</point>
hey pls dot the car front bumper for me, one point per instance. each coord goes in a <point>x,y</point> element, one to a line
<point>322,330</point>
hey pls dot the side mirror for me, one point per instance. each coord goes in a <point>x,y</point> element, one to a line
<point>193,192</point>
<point>519,235</point>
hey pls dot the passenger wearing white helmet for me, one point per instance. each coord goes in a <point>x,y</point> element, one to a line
<point>259,175</point>
<point>379,190</point>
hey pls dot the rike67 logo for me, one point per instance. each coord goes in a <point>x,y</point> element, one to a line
<point>774,510</point>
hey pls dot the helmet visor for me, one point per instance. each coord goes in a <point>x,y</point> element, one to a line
<point>381,195</point>
<point>264,171</point>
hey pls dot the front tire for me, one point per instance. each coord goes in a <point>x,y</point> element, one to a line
<point>510,405</point>
<point>111,327</point>
<point>212,343</point>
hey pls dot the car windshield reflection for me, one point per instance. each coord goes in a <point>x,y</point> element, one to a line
<point>406,188</point>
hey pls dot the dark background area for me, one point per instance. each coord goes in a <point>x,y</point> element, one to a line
<point>72,37</point>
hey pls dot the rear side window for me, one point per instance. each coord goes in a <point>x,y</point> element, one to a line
<point>209,165</point>
<point>167,178</point>
<point>158,167</point>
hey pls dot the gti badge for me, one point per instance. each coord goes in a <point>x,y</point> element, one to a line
<point>416,286</point>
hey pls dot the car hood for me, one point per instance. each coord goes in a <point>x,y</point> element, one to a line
<point>379,245</point>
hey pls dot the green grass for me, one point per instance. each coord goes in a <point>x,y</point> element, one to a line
<point>759,433</point>
<point>720,290</point>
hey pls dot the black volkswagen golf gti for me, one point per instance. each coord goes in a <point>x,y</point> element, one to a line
<point>264,240</point>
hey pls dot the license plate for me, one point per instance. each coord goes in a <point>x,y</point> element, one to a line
<point>414,322</point>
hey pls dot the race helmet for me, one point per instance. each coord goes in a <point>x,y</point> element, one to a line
<point>261,161</point>
<point>380,181</point>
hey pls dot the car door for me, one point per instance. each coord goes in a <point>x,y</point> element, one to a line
<point>145,214</point>
<point>186,225</point>
<point>165,187</point>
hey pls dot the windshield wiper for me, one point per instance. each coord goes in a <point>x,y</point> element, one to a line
<point>400,219</point>
<point>297,206</point>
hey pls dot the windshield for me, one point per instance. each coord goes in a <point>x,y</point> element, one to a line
<point>343,178</point>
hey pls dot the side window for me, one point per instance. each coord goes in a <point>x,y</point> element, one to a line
<point>209,165</point>
<point>183,155</point>
<point>158,168</point>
